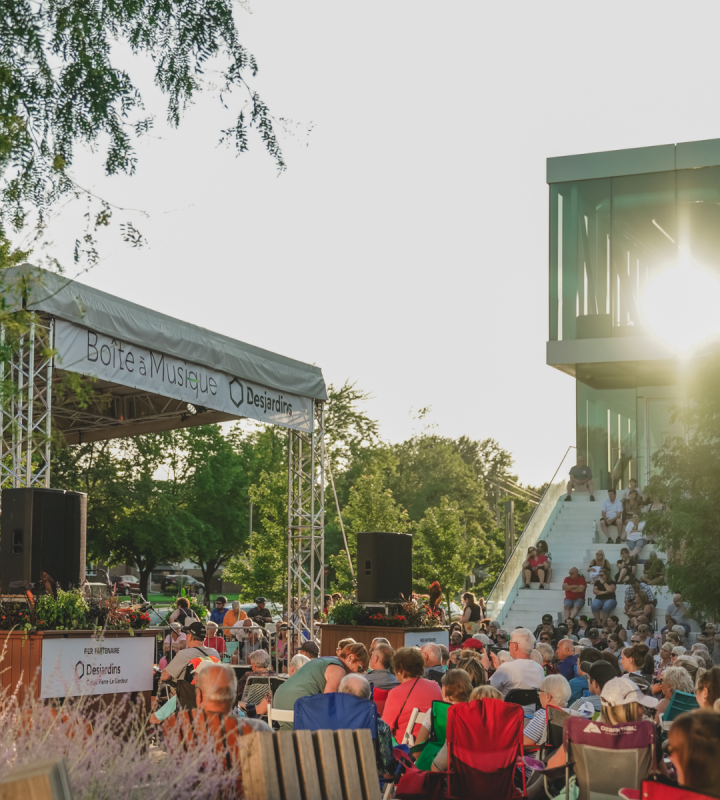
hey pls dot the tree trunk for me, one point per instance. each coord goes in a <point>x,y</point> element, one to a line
<point>208,569</point>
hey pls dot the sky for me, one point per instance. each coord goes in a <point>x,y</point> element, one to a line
<point>405,248</point>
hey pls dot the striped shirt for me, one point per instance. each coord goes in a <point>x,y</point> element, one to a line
<point>630,593</point>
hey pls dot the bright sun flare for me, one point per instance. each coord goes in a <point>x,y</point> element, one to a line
<point>682,306</point>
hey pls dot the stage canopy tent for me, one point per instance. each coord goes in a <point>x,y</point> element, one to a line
<point>154,372</point>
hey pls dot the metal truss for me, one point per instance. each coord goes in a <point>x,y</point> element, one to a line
<point>306,527</point>
<point>25,408</point>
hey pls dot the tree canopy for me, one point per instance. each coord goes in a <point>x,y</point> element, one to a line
<point>687,481</point>
<point>62,86</point>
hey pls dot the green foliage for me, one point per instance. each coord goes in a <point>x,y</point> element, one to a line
<point>263,569</point>
<point>68,612</point>
<point>61,88</point>
<point>688,482</point>
<point>371,508</point>
<point>345,613</point>
<point>444,550</point>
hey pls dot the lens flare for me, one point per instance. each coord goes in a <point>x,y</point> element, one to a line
<point>682,306</point>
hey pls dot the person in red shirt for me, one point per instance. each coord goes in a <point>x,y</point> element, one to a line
<point>575,587</point>
<point>414,691</point>
<point>534,568</point>
<point>213,640</point>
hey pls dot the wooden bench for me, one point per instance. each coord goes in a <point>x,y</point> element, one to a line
<point>41,780</point>
<point>310,765</point>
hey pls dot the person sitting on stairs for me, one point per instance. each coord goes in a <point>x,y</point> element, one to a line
<point>580,475</point>
<point>533,568</point>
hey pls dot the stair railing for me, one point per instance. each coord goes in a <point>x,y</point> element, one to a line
<point>508,581</point>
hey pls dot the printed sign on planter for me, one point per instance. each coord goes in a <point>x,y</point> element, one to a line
<point>419,638</point>
<point>74,667</point>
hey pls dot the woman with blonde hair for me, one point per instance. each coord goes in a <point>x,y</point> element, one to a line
<point>470,662</point>
<point>472,614</point>
<point>485,692</point>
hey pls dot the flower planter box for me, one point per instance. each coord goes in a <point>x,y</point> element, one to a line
<point>21,659</point>
<point>332,634</point>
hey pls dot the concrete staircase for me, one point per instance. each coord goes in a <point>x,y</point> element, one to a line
<point>573,536</point>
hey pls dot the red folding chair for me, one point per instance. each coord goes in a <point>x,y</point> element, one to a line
<point>379,698</point>
<point>654,790</point>
<point>484,741</point>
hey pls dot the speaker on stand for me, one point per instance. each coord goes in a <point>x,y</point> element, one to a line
<point>384,567</point>
<point>42,530</point>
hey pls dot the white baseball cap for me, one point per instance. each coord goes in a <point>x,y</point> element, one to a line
<point>621,691</point>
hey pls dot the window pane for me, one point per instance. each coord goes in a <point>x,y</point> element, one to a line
<point>643,243</point>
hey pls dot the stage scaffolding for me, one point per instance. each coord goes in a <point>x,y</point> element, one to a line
<point>27,417</point>
<point>25,410</point>
<point>306,527</point>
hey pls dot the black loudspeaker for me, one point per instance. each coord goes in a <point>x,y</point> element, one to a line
<point>384,567</point>
<point>42,530</point>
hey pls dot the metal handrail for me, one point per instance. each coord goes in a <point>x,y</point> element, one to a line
<point>541,514</point>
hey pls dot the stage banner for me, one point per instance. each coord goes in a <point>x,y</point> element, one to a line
<point>431,636</point>
<point>91,353</point>
<point>74,667</point>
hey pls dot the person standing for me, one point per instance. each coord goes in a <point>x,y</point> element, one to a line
<point>260,615</point>
<point>218,613</point>
<point>472,614</point>
<point>234,615</point>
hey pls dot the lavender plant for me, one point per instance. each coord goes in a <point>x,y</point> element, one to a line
<point>111,751</point>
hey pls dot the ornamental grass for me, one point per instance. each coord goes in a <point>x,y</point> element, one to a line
<point>111,751</point>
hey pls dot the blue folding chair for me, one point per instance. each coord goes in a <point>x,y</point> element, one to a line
<point>335,711</point>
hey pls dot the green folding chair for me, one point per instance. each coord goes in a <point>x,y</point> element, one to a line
<point>438,731</point>
<point>679,703</point>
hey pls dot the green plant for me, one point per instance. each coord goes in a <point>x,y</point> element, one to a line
<point>69,611</point>
<point>345,613</point>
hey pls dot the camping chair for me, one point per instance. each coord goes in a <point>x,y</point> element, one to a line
<point>484,741</point>
<point>679,702</point>
<point>607,758</point>
<point>438,733</point>
<point>408,737</point>
<point>524,697</point>
<point>380,698</point>
<point>654,790</point>
<point>336,711</point>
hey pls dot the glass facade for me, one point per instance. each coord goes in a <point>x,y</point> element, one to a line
<point>619,430</point>
<point>610,237</point>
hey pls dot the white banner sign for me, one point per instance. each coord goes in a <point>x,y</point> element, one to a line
<point>91,353</point>
<point>418,639</point>
<point>74,667</point>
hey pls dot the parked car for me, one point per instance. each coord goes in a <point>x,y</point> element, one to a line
<point>174,583</point>
<point>132,582</point>
<point>119,585</point>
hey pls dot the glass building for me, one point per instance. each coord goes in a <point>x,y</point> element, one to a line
<point>632,232</point>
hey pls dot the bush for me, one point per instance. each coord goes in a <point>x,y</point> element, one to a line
<point>345,613</point>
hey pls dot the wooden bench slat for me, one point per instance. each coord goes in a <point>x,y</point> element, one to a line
<point>287,766</point>
<point>307,766</point>
<point>259,767</point>
<point>348,763</point>
<point>367,765</point>
<point>327,763</point>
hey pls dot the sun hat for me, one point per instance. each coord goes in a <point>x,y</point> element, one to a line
<point>621,691</point>
<point>176,626</point>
